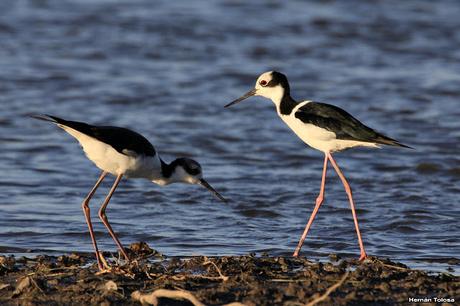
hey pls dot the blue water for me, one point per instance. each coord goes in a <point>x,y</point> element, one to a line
<point>166,68</point>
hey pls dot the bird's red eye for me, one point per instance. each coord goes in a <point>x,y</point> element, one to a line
<point>263,82</point>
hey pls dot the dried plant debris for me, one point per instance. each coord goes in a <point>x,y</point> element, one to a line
<point>228,280</point>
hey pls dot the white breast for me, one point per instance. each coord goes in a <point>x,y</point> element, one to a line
<point>106,158</point>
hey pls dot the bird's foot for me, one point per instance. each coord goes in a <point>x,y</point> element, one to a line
<point>104,271</point>
<point>363,256</point>
<point>102,263</point>
<point>125,255</point>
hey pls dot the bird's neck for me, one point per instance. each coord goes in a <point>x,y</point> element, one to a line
<point>166,175</point>
<point>166,169</point>
<point>285,103</point>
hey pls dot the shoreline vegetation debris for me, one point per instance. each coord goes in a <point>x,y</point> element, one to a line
<point>153,279</point>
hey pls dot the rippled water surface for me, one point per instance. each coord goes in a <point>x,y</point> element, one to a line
<point>166,68</point>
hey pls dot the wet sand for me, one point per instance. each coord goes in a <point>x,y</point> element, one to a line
<point>252,280</point>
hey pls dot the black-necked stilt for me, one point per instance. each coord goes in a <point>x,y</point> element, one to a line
<point>122,152</point>
<point>322,126</point>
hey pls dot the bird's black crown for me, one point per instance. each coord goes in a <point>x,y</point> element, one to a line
<point>191,166</point>
<point>279,79</point>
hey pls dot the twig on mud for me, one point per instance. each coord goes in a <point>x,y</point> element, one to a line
<point>394,267</point>
<point>118,271</point>
<point>65,268</point>
<point>329,290</point>
<point>59,274</point>
<point>388,265</point>
<point>207,262</point>
<point>152,298</point>
<point>285,280</point>
<point>224,278</point>
<point>184,277</point>
<point>54,269</point>
<point>181,277</point>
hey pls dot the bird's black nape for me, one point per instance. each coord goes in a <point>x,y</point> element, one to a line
<point>279,79</point>
<point>287,103</point>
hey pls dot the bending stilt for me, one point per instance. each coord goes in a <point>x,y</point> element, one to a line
<point>86,211</point>
<point>104,219</point>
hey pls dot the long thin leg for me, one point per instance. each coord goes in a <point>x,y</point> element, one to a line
<point>104,219</point>
<point>319,201</point>
<point>348,191</point>
<point>86,211</point>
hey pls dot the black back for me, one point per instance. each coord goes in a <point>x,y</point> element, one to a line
<point>338,121</point>
<point>118,138</point>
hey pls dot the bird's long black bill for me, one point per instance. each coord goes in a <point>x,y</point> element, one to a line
<point>212,190</point>
<point>243,97</point>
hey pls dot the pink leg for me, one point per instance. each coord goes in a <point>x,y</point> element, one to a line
<point>319,201</point>
<point>348,190</point>
<point>86,211</point>
<point>104,219</point>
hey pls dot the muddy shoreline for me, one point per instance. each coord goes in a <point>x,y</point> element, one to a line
<point>74,280</point>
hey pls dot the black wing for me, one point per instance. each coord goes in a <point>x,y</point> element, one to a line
<point>118,138</point>
<point>344,125</point>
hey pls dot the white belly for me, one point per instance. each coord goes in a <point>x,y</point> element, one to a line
<point>110,160</point>
<point>319,138</point>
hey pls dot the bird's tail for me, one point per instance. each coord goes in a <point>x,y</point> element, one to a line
<point>391,142</point>
<point>49,118</point>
